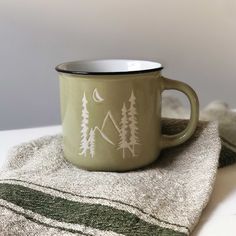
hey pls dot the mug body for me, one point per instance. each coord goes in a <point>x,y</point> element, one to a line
<point>110,117</point>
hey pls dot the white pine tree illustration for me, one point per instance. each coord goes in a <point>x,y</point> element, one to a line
<point>123,144</point>
<point>132,113</point>
<point>84,145</point>
<point>92,142</point>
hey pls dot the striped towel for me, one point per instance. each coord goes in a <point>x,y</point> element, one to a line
<point>42,194</point>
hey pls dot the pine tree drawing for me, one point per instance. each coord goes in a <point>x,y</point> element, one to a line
<point>123,144</point>
<point>132,113</point>
<point>92,142</point>
<point>84,145</point>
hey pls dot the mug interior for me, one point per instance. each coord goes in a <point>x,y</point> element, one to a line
<point>112,66</point>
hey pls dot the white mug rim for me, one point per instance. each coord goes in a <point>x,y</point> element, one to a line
<point>108,67</point>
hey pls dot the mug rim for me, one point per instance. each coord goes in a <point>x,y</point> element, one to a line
<point>133,66</point>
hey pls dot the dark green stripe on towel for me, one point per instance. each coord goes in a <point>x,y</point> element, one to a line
<point>93,215</point>
<point>42,223</point>
<point>97,198</point>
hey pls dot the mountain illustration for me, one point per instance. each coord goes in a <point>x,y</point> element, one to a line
<point>93,136</point>
<point>109,116</point>
<point>108,129</point>
<point>105,137</point>
<point>111,128</point>
<point>101,145</point>
<point>123,135</point>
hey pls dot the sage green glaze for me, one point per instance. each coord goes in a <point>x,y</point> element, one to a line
<point>106,95</point>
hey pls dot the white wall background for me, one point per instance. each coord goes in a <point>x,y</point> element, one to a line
<point>194,40</point>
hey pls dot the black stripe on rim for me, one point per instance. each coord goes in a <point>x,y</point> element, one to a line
<point>59,68</point>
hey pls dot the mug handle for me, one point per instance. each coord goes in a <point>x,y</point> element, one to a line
<point>176,139</point>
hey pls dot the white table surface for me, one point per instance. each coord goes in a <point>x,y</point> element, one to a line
<point>219,217</point>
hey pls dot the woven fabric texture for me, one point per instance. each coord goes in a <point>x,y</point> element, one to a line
<point>42,194</point>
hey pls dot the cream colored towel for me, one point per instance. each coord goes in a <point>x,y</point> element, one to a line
<point>42,194</point>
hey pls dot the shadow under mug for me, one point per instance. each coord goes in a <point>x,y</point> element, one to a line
<point>111,113</point>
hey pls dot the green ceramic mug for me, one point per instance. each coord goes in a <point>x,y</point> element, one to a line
<point>111,113</point>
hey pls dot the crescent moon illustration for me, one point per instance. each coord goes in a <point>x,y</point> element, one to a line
<point>96,96</point>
